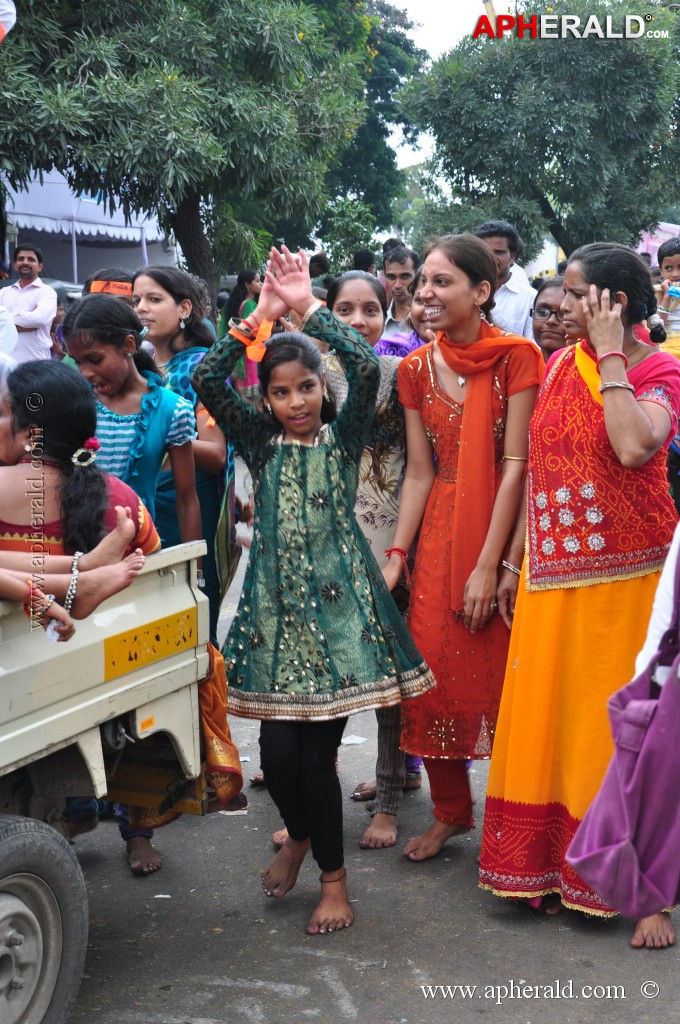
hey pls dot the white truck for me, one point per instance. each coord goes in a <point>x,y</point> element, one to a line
<point>112,712</point>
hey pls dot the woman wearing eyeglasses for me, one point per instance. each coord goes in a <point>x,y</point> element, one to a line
<point>547,317</point>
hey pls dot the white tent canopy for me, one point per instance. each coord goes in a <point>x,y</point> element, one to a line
<point>51,209</point>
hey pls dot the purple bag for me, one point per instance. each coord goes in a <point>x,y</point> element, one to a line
<point>627,848</point>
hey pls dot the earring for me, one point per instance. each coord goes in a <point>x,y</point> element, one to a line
<point>325,392</point>
<point>28,447</point>
<point>129,355</point>
<point>182,323</point>
<point>482,315</point>
<point>267,406</point>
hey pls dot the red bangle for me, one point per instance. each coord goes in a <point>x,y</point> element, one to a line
<point>613,353</point>
<point>404,561</point>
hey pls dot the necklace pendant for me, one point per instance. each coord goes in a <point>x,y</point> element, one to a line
<point>461,381</point>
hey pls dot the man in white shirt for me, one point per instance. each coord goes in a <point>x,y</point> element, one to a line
<point>8,333</point>
<point>31,304</point>
<point>514,296</point>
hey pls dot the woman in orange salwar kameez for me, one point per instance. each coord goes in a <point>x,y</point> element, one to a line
<point>468,398</point>
<point>600,520</point>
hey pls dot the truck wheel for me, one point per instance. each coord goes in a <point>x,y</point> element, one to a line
<point>43,923</point>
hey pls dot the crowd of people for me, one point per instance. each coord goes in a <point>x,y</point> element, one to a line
<point>463,498</point>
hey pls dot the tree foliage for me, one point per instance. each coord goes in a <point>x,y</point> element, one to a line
<point>348,226</point>
<point>574,136</point>
<point>367,167</point>
<point>187,110</point>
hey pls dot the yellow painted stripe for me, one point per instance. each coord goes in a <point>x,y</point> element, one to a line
<point>151,642</point>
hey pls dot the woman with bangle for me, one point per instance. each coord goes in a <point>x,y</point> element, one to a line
<point>468,397</point>
<point>600,521</point>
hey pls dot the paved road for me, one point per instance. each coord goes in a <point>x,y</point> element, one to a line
<point>198,943</point>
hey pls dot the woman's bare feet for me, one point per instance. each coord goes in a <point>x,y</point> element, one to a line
<point>281,874</point>
<point>96,585</point>
<point>112,548</point>
<point>364,792</point>
<point>654,932</point>
<point>142,857</point>
<point>333,911</point>
<point>279,837</point>
<point>431,842</point>
<point>381,833</point>
<point>79,828</point>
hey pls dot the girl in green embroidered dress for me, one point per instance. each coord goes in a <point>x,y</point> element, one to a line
<point>317,635</point>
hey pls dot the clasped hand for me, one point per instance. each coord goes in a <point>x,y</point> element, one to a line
<point>286,285</point>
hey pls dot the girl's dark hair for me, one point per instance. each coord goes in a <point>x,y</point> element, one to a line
<point>107,320</point>
<point>180,286</point>
<point>292,347</point>
<point>59,405</point>
<point>548,282</point>
<point>239,292</point>
<point>416,281</point>
<point>471,255</point>
<point>620,269</point>
<point>671,247</point>
<point>357,275</point>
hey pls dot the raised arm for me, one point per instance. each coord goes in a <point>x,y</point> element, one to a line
<point>237,420</point>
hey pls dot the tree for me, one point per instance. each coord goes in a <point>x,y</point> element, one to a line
<point>348,226</point>
<point>183,109</point>
<point>367,167</point>
<point>578,135</point>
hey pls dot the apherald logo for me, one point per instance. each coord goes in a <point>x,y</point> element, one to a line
<point>564,26</point>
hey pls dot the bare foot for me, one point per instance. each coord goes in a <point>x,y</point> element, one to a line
<point>258,779</point>
<point>142,857</point>
<point>414,781</point>
<point>364,792</point>
<point>655,932</point>
<point>381,833</point>
<point>112,548</point>
<point>333,911</point>
<point>79,828</point>
<point>430,843</point>
<point>279,837</point>
<point>281,875</point>
<point>96,585</point>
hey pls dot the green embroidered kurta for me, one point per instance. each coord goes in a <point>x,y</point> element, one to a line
<point>317,634</point>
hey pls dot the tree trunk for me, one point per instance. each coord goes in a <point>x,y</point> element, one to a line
<point>190,234</point>
<point>557,229</point>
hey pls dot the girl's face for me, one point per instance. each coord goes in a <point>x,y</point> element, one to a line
<point>418,315</point>
<point>549,334</point>
<point>158,310</point>
<point>254,288</point>
<point>106,368</point>
<point>295,395</point>
<point>451,301</point>
<point>357,305</point>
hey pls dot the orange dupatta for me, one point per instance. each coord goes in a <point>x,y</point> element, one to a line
<point>476,485</point>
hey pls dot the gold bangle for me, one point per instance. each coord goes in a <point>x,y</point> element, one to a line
<point>310,312</point>
<point>515,458</point>
<point>616,384</point>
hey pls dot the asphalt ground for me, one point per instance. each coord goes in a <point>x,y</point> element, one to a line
<point>199,943</point>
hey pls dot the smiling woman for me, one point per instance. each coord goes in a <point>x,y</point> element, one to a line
<point>468,397</point>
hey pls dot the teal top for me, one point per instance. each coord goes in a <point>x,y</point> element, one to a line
<point>317,634</point>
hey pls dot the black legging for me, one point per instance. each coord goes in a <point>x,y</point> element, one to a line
<point>298,761</point>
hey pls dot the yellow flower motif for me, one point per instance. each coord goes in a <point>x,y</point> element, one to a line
<point>301,35</point>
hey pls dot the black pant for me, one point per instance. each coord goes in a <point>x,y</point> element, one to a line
<point>298,761</point>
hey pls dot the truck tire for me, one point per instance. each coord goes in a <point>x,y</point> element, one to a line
<point>43,923</point>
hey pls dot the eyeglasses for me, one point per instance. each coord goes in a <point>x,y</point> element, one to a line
<point>544,313</point>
